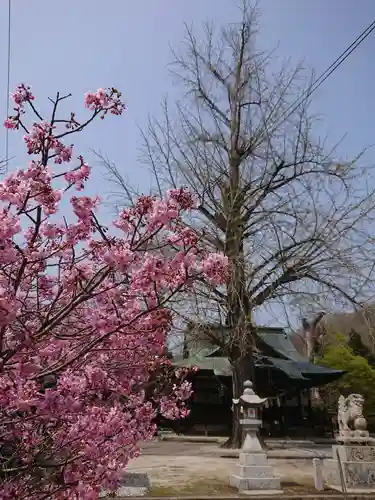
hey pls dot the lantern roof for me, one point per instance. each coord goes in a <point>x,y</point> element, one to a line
<point>249,398</point>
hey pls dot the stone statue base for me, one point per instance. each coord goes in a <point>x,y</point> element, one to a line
<point>254,476</point>
<point>356,437</point>
<point>357,465</point>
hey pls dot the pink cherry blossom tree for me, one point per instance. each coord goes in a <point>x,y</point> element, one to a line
<point>84,314</point>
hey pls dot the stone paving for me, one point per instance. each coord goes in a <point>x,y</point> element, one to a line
<point>171,463</point>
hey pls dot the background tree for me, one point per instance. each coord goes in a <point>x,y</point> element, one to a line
<point>357,327</point>
<point>359,377</point>
<point>293,220</point>
<point>356,331</point>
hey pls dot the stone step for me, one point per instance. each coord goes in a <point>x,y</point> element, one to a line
<point>255,483</point>
<point>254,471</point>
<point>253,458</point>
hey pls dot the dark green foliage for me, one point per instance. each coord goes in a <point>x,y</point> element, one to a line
<point>360,376</point>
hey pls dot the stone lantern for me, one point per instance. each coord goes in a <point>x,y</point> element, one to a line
<point>253,474</point>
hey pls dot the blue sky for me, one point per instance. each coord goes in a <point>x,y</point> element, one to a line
<point>74,46</point>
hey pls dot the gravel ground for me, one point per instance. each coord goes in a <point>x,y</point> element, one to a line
<point>177,448</point>
<point>171,463</point>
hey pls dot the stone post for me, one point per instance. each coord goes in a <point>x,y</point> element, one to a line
<point>318,474</point>
<point>253,474</point>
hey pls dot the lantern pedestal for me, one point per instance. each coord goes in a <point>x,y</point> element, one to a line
<point>253,475</point>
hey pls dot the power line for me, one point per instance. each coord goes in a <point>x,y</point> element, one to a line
<point>328,72</point>
<point>8,86</point>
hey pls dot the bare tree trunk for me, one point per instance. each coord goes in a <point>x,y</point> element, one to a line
<point>242,370</point>
<point>236,438</point>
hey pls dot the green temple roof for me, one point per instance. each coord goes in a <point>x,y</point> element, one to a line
<point>278,365</point>
<point>221,366</point>
<point>281,344</point>
<point>302,371</point>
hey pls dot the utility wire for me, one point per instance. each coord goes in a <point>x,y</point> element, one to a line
<point>327,73</point>
<point>8,87</point>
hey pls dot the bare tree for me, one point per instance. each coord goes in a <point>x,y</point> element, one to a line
<point>325,329</point>
<point>295,222</point>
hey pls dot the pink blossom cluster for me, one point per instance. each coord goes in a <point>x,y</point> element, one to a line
<point>84,317</point>
<point>105,101</point>
<point>21,96</point>
<point>79,175</point>
<point>40,139</point>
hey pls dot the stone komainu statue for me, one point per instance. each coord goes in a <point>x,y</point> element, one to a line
<point>350,412</point>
